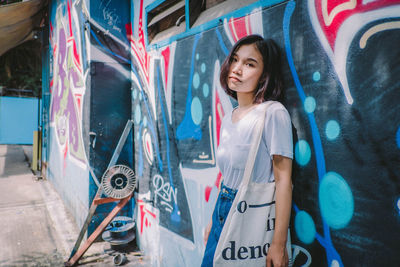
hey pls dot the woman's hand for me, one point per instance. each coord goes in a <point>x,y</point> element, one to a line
<point>277,256</point>
<point>207,232</point>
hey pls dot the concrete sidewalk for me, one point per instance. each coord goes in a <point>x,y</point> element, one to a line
<point>36,228</point>
<point>27,236</point>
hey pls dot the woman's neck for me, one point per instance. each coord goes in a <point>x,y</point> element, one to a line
<point>245,100</point>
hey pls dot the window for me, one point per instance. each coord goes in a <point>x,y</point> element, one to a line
<point>218,8</point>
<point>173,19</point>
<point>165,20</point>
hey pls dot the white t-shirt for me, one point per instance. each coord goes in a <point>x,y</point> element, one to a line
<point>236,138</point>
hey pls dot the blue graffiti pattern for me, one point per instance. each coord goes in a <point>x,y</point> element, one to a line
<point>302,221</point>
<point>188,128</point>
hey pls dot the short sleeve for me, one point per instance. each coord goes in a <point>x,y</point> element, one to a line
<point>277,134</point>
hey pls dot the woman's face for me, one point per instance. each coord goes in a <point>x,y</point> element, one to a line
<point>245,70</point>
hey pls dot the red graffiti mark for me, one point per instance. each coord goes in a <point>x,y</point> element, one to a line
<point>71,39</point>
<point>65,158</point>
<point>143,218</point>
<point>218,181</point>
<point>239,27</point>
<point>75,54</point>
<point>139,46</point>
<point>65,151</point>
<point>148,147</point>
<point>54,50</point>
<point>51,33</point>
<point>69,18</point>
<point>128,29</point>
<point>78,101</point>
<point>219,114</point>
<point>332,14</point>
<point>207,191</point>
<point>165,53</point>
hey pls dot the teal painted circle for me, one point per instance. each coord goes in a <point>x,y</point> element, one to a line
<point>196,80</point>
<point>134,94</point>
<point>398,204</point>
<point>316,76</point>
<point>203,67</point>
<point>309,104</point>
<point>138,114</point>
<point>335,200</point>
<point>197,111</point>
<point>197,56</point>
<point>305,227</point>
<point>302,152</point>
<point>206,90</point>
<point>145,121</point>
<point>332,129</point>
<point>398,137</point>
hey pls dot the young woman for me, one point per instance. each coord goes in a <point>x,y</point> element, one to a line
<point>251,74</point>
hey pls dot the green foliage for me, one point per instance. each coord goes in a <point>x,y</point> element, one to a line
<point>6,2</point>
<point>21,70</point>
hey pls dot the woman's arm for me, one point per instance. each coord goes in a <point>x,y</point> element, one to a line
<point>277,254</point>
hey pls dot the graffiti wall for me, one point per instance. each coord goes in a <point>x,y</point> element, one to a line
<point>89,99</point>
<point>341,62</point>
<point>341,66</point>
<point>65,126</point>
<point>110,86</point>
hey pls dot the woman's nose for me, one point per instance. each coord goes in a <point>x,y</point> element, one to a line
<point>237,69</point>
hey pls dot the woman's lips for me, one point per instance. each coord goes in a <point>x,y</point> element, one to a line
<point>234,79</point>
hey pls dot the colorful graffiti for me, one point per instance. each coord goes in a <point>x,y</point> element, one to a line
<point>89,98</point>
<point>183,99</point>
<point>341,63</point>
<point>67,84</point>
<point>336,25</point>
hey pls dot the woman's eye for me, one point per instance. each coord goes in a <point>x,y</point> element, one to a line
<point>250,64</point>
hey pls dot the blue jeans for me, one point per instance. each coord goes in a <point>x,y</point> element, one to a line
<point>221,211</point>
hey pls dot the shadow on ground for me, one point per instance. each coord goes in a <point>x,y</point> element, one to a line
<point>11,157</point>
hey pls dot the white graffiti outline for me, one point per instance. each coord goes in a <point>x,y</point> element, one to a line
<point>378,28</point>
<point>296,251</point>
<point>148,152</point>
<point>203,156</point>
<point>165,192</point>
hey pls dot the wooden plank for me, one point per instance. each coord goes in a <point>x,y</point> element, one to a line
<point>100,201</point>
<point>72,261</point>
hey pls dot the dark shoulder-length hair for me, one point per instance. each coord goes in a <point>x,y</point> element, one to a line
<point>270,86</point>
